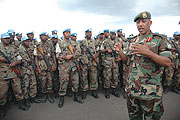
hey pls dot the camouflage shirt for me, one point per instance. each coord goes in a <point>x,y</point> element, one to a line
<point>6,71</point>
<point>144,77</point>
<point>26,60</point>
<point>109,58</point>
<point>86,57</point>
<point>47,48</point>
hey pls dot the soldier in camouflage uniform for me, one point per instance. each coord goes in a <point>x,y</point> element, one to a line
<point>14,42</point>
<point>122,66</point>
<point>89,66</point>
<point>46,64</point>
<point>176,82</point>
<point>110,63</point>
<point>146,55</point>
<point>18,36</point>
<point>168,72</point>
<point>29,79</point>
<point>55,40</point>
<point>7,76</point>
<point>67,54</point>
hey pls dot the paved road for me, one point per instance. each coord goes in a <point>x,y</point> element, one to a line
<point>93,109</point>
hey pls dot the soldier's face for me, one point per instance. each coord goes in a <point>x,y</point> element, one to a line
<point>177,37</point>
<point>6,41</point>
<point>88,35</point>
<point>67,35</point>
<point>55,40</point>
<point>30,36</point>
<point>26,43</point>
<point>73,38</point>
<point>113,36</point>
<point>43,37</point>
<point>119,33</point>
<point>19,37</point>
<point>101,36</point>
<point>143,26</point>
<point>106,34</point>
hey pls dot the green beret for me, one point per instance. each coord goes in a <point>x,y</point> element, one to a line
<point>142,16</point>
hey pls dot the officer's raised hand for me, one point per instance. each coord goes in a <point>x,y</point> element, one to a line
<point>140,49</point>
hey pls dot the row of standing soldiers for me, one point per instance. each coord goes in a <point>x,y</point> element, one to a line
<point>34,72</point>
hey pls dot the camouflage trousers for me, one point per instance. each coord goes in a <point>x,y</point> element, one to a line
<point>168,78</point>
<point>177,77</point>
<point>46,82</point>
<point>144,109</point>
<point>92,72</point>
<point>30,86</point>
<point>67,75</point>
<point>4,86</point>
<point>110,76</point>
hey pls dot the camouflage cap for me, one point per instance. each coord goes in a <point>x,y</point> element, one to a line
<point>143,15</point>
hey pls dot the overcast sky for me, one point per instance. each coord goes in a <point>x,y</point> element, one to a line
<point>79,15</point>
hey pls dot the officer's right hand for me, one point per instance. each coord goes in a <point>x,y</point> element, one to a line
<point>3,59</point>
<point>118,46</point>
<point>68,57</point>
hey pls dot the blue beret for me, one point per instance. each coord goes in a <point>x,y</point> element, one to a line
<point>5,35</point>
<point>172,38</point>
<point>176,33</point>
<point>30,33</point>
<point>54,31</point>
<point>96,36</point>
<point>88,30</point>
<point>24,38</point>
<point>67,30</point>
<point>106,30</point>
<point>10,31</point>
<point>113,32</point>
<point>74,34</point>
<point>43,33</point>
<point>118,30</point>
<point>54,36</point>
<point>101,32</point>
<point>156,32</point>
<point>18,34</point>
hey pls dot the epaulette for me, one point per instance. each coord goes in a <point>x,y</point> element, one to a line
<point>157,36</point>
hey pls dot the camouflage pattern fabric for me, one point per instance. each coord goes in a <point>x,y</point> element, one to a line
<point>7,75</point>
<point>67,68</point>
<point>29,79</point>
<point>89,66</point>
<point>152,109</point>
<point>145,76</point>
<point>46,77</point>
<point>110,71</point>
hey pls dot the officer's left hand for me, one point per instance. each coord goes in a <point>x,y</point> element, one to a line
<point>140,49</point>
<point>13,64</point>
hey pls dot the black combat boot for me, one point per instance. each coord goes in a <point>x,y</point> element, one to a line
<point>2,111</point>
<point>35,100</point>
<point>61,102</point>
<point>27,103</point>
<point>107,95</point>
<point>166,89</point>
<point>44,98</point>
<point>77,98</point>
<point>50,98</point>
<point>94,94</point>
<point>83,95</point>
<point>115,93</point>
<point>175,89</point>
<point>22,105</point>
